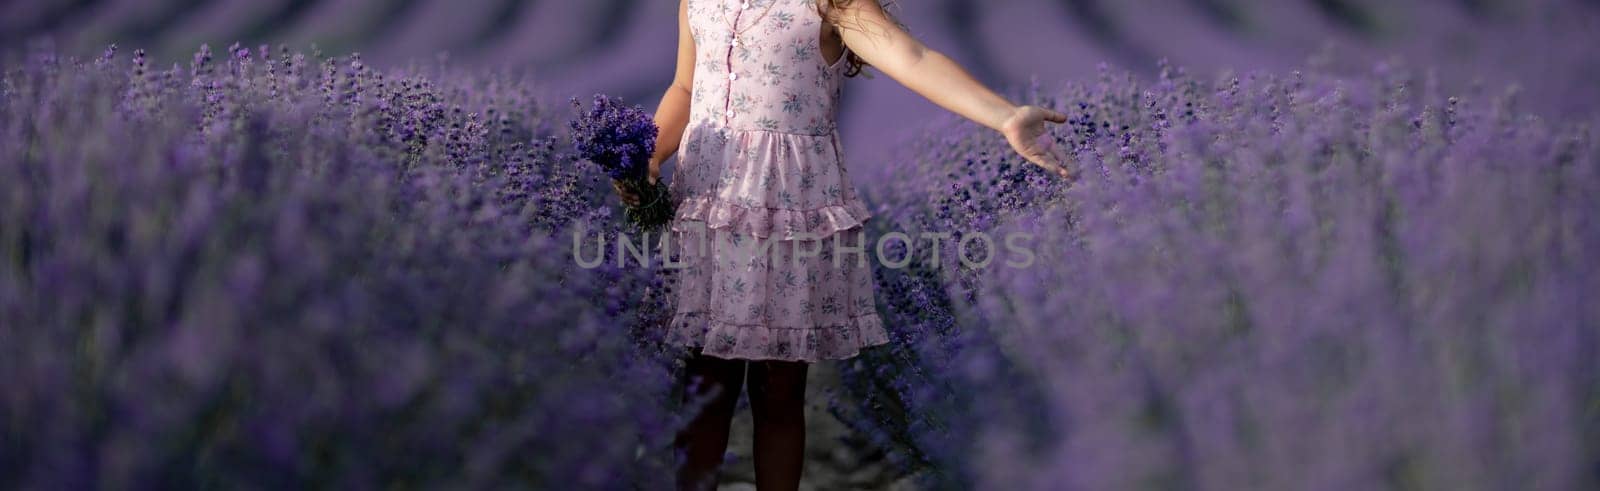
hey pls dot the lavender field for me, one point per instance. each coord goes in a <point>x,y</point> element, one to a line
<point>1314,245</point>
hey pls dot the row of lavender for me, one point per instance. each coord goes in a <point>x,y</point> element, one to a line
<point>1260,282</point>
<point>274,270</point>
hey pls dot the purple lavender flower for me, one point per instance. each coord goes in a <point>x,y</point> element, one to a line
<point>620,140</point>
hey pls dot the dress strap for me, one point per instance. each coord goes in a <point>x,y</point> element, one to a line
<point>842,57</point>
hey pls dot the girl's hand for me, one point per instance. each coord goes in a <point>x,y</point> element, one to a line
<point>630,198</point>
<point>1025,130</point>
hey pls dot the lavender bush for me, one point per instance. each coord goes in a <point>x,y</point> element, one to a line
<point>268,270</point>
<point>1263,282</point>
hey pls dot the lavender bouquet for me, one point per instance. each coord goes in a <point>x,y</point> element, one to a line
<point>620,139</point>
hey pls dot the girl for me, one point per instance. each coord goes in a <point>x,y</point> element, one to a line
<point>752,107</point>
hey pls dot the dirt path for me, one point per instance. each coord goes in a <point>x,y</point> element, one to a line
<point>835,460</point>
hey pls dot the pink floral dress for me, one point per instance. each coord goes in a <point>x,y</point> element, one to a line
<point>775,262</point>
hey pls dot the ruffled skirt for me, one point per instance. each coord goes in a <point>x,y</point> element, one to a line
<point>775,264</point>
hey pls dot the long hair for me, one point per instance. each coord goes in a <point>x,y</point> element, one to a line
<point>828,10</point>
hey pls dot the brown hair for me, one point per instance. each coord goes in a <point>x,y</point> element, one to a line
<point>826,8</point>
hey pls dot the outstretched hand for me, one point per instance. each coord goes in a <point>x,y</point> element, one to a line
<point>1025,130</point>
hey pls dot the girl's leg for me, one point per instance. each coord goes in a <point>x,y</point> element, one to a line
<point>777,400</point>
<point>703,442</point>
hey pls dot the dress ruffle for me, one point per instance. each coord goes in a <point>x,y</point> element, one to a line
<point>800,300</point>
<point>766,222</point>
<point>765,342</point>
<point>766,184</point>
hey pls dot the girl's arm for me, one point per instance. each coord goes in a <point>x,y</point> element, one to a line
<point>868,31</point>
<point>672,114</point>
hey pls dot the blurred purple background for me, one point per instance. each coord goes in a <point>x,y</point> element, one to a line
<point>625,47</point>
<point>188,297</point>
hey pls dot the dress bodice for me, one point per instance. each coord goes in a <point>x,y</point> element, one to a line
<point>759,66</point>
<point>761,152</point>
